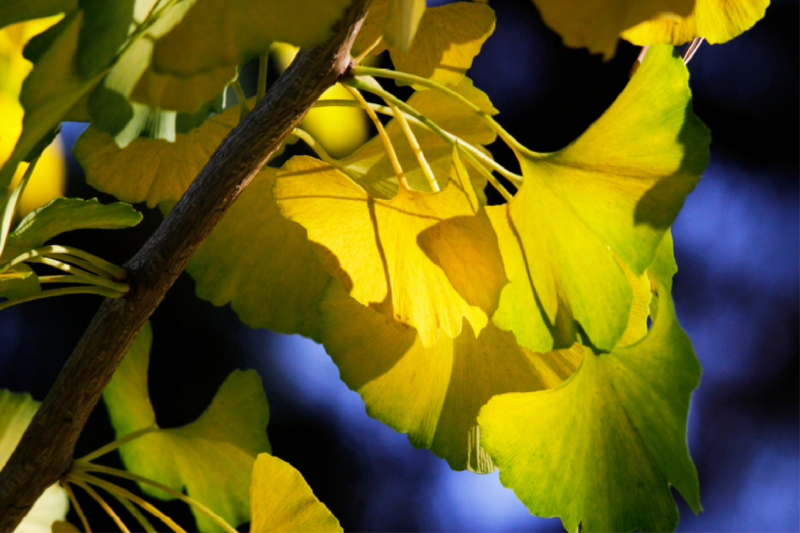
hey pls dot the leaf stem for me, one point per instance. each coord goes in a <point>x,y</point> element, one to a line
<point>136,513</point>
<point>83,289</point>
<point>60,278</point>
<point>263,68</point>
<point>116,272</point>
<point>418,80</point>
<point>111,446</point>
<point>107,508</point>
<point>82,274</point>
<point>412,141</point>
<point>11,204</point>
<point>360,57</point>
<point>77,506</point>
<point>387,142</point>
<point>315,146</point>
<point>82,466</point>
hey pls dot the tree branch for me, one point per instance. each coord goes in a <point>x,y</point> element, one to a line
<point>45,452</point>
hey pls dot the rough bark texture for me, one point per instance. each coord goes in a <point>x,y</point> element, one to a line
<point>45,451</point>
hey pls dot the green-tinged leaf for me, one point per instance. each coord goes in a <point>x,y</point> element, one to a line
<point>105,29</point>
<point>16,412</point>
<point>52,88</point>
<point>433,394</point>
<point>262,264</point>
<point>371,246</point>
<point>615,190</point>
<point>281,500</point>
<point>448,39</point>
<point>13,11</point>
<point>401,22</point>
<point>67,214</point>
<point>602,450</point>
<point>211,458</point>
<point>661,272</point>
<point>18,281</point>
<point>372,169</point>
<point>597,25</point>
<point>187,95</point>
<point>41,42</point>
<point>718,21</point>
<point>217,33</point>
<point>150,170</point>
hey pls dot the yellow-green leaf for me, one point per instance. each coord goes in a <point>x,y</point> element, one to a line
<point>262,264</point>
<point>433,394</point>
<point>371,168</point>
<point>18,281</point>
<point>402,20</point>
<point>602,450</point>
<point>13,11</point>
<point>597,25</point>
<point>281,500</point>
<point>211,458</point>
<point>371,246</point>
<point>614,191</point>
<point>150,170</point>
<point>718,21</point>
<point>16,413</point>
<point>446,42</point>
<point>217,33</point>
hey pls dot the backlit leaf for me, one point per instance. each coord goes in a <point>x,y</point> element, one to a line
<point>262,264</point>
<point>371,246</point>
<point>13,11</point>
<point>448,39</point>
<point>718,21</point>
<point>601,450</point>
<point>597,25</point>
<point>211,458</point>
<point>217,33</point>
<point>402,20</point>
<point>614,191</point>
<point>16,413</point>
<point>433,394</point>
<point>281,500</point>
<point>67,214</point>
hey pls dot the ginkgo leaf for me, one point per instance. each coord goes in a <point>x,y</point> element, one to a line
<point>67,214</point>
<point>262,264</point>
<point>371,246</point>
<point>150,170</point>
<point>597,25</point>
<point>105,28</point>
<point>13,11</point>
<point>447,40</point>
<point>601,450</point>
<point>402,19</point>
<point>211,458</point>
<point>370,165</point>
<point>217,33</point>
<point>718,21</point>
<point>16,413</point>
<point>18,281</point>
<point>281,500</point>
<point>433,394</point>
<point>52,88</point>
<point>611,193</point>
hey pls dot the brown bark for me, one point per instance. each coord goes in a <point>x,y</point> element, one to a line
<point>45,451</point>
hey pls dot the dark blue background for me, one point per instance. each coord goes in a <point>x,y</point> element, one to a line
<point>737,295</point>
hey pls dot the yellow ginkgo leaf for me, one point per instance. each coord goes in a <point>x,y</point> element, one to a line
<point>282,501</point>
<point>448,39</point>
<point>612,193</point>
<point>401,22</point>
<point>718,21</point>
<point>433,394</point>
<point>597,25</point>
<point>373,247</point>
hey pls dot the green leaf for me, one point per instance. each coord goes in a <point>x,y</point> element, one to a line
<point>371,246</point>
<point>217,33</point>
<point>718,21</point>
<point>16,413</point>
<point>597,25</point>
<point>447,40</point>
<point>370,165</point>
<point>433,394</point>
<point>211,458</point>
<point>105,28</point>
<point>609,195</point>
<point>13,11</point>
<point>52,88</point>
<point>602,450</point>
<point>262,264</point>
<point>67,214</point>
<point>283,501</point>
<point>18,281</point>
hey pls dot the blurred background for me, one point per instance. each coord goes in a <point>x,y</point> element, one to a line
<point>737,295</point>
